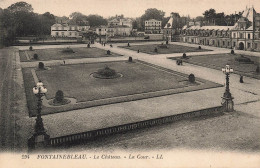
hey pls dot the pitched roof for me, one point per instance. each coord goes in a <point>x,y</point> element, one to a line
<point>153,20</point>
<point>209,28</point>
<point>169,23</point>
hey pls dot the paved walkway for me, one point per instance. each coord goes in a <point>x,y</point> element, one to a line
<point>82,120</point>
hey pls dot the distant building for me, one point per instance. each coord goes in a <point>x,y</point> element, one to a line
<point>120,22</point>
<point>244,35</point>
<point>102,30</point>
<point>153,26</point>
<point>116,27</point>
<point>66,30</point>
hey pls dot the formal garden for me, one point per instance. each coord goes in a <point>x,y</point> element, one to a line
<point>63,53</point>
<point>96,84</point>
<point>242,64</point>
<point>162,48</point>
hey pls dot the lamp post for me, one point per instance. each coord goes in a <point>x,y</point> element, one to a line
<point>227,99</point>
<point>40,138</point>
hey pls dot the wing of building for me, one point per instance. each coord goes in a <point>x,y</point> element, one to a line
<point>153,26</point>
<point>244,35</point>
<point>68,30</point>
<point>116,27</point>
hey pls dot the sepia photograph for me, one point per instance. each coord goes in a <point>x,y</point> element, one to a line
<point>129,83</point>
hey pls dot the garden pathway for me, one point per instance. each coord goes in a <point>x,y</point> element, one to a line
<point>114,114</point>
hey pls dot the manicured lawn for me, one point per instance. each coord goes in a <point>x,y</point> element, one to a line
<point>140,80</point>
<point>57,54</point>
<point>149,49</point>
<point>218,61</point>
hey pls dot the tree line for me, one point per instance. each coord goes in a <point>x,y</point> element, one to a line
<point>19,20</point>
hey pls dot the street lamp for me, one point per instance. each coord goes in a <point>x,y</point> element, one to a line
<point>39,138</point>
<point>227,99</point>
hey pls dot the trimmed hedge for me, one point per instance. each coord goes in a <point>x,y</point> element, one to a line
<point>192,78</point>
<point>35,56</point>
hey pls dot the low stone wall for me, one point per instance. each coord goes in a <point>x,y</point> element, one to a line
<point>90,135</point>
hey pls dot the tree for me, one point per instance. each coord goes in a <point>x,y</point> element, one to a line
<point>96,20</point>
<point>20,6</point>
<point>210,15</point>
<point>78,18</point>
<point>46,21</point>
<point>135,24</point>
<point>90,35</point>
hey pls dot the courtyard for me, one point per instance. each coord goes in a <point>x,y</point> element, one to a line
<point>218,61</point>
<point>59,54</point>
<point>171,48</point>
<point>137,81</point>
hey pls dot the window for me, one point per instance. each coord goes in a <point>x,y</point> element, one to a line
<point>57,33</point>
<point>241,35</point>
<point>62,33</point>
<point>223,43</point>
<point>70,33</point>
<point>248,45</point>
<point>234,35</point>
<point>248,36</point>
<point>255,45</point>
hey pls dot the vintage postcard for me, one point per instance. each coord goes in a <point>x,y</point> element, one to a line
<point>129,83</point>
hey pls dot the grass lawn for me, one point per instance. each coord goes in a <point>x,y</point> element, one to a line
<point>218,61</point>
<point>172,48</point>
<point>140,80</point>
<point>57,54</point>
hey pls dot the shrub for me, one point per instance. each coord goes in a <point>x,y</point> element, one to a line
<point>257,69</point>
<point>59,97</point>
<point>35,56</point>
<point>243,59</point>
<point>30,48</point>
<point>184,55</point>
<point>68,50</point>
<point>155,50</point>
<point>199,47</point>
<point>232,52</point>
<point>41,65</point>
<point>192,78</point>
<point>130,59</point>
<point>108,52</point>
<point>107,72</point>
<point>179,62</point>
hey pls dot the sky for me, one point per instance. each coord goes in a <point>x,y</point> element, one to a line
<point>135,8</point>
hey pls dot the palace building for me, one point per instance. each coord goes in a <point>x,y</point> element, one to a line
<point>244,35</point>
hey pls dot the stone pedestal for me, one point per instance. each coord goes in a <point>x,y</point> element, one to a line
<point>39,141</point>
<point>227,103</point>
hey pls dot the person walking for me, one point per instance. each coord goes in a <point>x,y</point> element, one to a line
<point>241,79</point>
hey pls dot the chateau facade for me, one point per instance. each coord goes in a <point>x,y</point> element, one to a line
<point>244,35</point>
